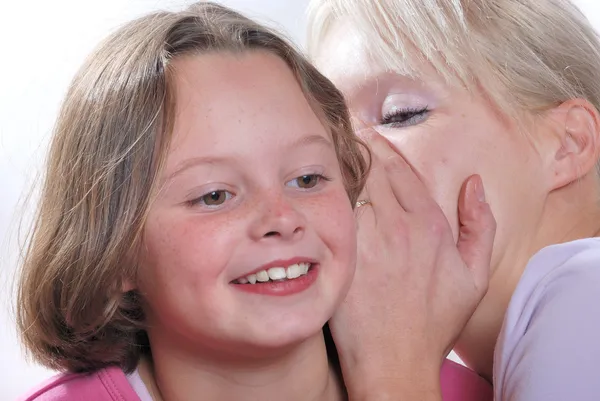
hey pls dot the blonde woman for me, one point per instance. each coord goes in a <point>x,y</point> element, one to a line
<point>510,90</point>
<point>196,228</point>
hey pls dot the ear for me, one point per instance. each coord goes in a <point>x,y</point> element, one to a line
<point>576,124</point>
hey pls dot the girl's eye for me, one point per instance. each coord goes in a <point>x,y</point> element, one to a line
<point>399,118</point>
<point>307,181</point>
<point>214,198</point>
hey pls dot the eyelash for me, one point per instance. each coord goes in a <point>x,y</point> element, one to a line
<point>405,116</point>
<point>320,177</point>
<point>198,200</point>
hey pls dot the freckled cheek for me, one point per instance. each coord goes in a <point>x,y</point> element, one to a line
<point>188,251</point>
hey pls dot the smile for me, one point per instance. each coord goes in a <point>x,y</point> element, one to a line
<point>276,274</point>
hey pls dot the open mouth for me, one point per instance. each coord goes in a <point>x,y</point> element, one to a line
<point>276,274</point>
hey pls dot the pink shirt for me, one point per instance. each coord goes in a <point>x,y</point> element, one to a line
<point>111,384</point>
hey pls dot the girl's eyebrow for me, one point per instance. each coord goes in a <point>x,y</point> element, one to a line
<point>310,140</point>
<point>186,164</point>
<point>196,161</point>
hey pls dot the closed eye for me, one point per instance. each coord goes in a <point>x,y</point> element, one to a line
<point>404,117</point>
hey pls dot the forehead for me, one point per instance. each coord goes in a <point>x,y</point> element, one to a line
<point>346,57</point>
<point>210,78</point>
<point>212,89</point>
<point>226,101</point>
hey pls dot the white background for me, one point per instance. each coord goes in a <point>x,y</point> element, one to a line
<point>43,44</point>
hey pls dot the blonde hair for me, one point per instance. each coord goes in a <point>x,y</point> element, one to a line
<point>108,148</point>
<point>525,55</point>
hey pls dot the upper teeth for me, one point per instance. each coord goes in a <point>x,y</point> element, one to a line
<point>276,273</point>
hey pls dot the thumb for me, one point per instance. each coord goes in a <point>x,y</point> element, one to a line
<point>477,230</point>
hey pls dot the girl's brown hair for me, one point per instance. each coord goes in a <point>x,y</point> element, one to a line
<point>108,148</point>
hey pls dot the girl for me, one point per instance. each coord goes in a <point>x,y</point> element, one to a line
<point>196,228</point>
<point>508,89</point>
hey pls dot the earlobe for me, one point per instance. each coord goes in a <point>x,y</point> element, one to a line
<point>578,126</point>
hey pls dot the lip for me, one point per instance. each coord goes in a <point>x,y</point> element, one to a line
<point>283,288</point>
<point>279,263</point>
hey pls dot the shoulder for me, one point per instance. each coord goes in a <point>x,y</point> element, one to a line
<point>569,271</point>
<point>109,384</point>
<point>569,267</point>
<point>548,342</point>
<point>561,259</point>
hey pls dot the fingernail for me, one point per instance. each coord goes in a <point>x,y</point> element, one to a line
<point>479,191</point>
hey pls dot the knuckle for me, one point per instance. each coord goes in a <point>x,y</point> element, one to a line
<point>369,257</point>
<point>398,235</point>
<point>375,173</point>
<point>372,136</point>
<point>485,218</point>
<point>481,284</point>
<point>480,290</point>
<point>394,223</point>
<point>393,163</point>
<point>437,224</point>
<point>493,224</point>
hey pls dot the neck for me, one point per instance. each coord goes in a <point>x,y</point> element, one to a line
<point>561,220</point>
<point>301,373</point>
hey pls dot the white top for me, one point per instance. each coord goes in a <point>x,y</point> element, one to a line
<point>135,380</point>
<point>549,346</point>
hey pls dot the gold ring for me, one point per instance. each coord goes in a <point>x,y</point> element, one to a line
<point>362,202</point>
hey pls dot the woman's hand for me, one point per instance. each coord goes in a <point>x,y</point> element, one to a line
<point>415,287</point>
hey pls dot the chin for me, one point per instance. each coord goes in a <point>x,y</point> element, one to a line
<point>287,333</point>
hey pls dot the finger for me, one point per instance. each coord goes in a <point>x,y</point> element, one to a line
<point>406,186</point>
<point>477,230</point>
<point>366,220</point>
<point>379,192</point>
<point>367,236</point>
<point>361,210</point>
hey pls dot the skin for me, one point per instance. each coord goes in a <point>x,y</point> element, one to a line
<point>415,286</point>
<point>243,127</point>
<point>542,186</point>
<point>258,347</point>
